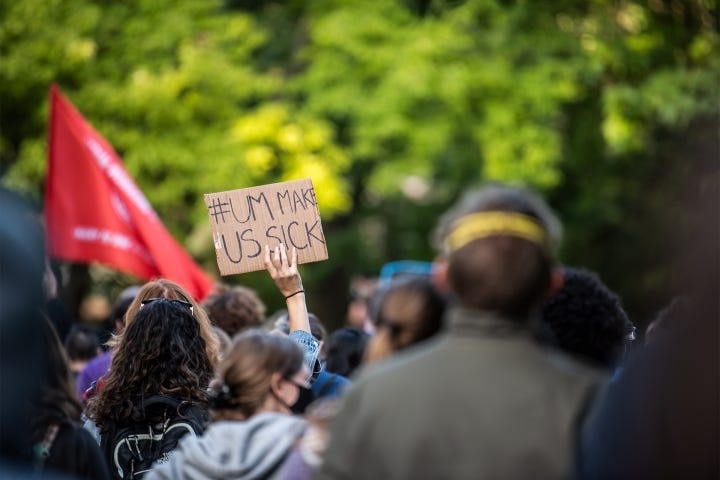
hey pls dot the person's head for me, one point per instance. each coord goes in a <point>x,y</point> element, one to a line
<point>162,351</point>
<point>586,318</point>
<point>345,350</point>
<point>81,346</point>
<point>234,308</point>
<point>361,290</point>
<point>262,372</point>
<point>55,401</point>
<point>499,242</point>
<point>225,342</point>
<point>409,311</point>
<point>163,288</point>
<point>282,324</point>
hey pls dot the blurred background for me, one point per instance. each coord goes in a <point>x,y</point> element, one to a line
<point>610,109</point>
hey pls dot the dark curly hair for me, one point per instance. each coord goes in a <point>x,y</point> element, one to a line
<point>586,318</point>
<point>161,352</point>
<point>234,309</point>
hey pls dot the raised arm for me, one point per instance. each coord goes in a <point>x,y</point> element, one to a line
<point>287,279</point>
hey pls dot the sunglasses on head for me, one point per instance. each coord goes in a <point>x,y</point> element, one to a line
<point>179,303</point>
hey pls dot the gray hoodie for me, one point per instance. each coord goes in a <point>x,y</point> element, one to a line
<point>254,448</point>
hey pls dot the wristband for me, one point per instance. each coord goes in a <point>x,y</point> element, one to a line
<point>295,293</point>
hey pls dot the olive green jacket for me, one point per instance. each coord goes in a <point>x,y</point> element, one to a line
<point>482,400</point>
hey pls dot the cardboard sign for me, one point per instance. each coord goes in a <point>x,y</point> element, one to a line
<point>245,220</point>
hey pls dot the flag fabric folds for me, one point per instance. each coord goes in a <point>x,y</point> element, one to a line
<point>94,211</point>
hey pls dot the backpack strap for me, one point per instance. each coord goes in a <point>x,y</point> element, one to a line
<point>41,450</point>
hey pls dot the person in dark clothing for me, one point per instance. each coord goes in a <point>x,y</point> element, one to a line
<point>659,419</point>
<point>22,265</point>
<point>163,353</point>
<point>61,445</point>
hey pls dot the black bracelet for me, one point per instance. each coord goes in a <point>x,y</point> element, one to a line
<point>294,293</point>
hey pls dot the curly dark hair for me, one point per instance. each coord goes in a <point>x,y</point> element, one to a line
<point>586,318</point>
<point>234,309</point>
<point>160,352</point>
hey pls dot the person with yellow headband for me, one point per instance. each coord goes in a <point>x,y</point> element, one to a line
<point>483,399</point>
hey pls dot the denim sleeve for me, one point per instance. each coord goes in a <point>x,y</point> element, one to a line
<point>311,349</point>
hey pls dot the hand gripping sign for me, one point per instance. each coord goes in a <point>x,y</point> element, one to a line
<point>245,220</point>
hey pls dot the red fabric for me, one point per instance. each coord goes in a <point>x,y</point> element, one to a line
<point>94,212</point>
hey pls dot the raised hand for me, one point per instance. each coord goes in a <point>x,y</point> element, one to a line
<point>283,272</point>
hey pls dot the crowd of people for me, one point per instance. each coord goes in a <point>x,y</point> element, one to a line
<point>500,363</point>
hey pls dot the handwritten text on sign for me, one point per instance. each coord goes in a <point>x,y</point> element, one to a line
<point>245,220</point>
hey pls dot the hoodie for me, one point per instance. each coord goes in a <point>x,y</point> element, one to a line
<point>254,448</point>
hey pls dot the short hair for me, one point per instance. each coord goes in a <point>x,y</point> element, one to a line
<point>81,343</point>
<point>282,323</point>
<point>501,272</point>
<point>234,308</point>
<point>247,369</point>
<point>586,318</point>
<point>345,350</point>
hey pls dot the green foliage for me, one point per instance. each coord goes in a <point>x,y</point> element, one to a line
<point>391,107</point>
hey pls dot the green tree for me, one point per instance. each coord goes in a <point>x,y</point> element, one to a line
<point>392,108</point>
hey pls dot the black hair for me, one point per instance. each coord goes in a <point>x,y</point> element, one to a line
<point>586,318</point>
<point>81,343</point>
<point>345,350</point>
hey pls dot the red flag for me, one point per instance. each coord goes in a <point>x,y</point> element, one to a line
<point>94,212</point>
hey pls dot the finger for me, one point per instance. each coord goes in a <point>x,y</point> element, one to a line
<point>293,262</point>
<point>266,259</point>
<point>276,255</point>
<point>283,255</point>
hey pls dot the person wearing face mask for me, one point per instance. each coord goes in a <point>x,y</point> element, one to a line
<point>259,385</point>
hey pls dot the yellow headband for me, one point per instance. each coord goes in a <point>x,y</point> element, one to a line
<point>488,224</point>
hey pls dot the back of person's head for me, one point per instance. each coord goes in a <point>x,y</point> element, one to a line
<point>225,342</point>
<point>163,288</point>
<point>409,311</point>
<point>586,318</point>
<point>244,376</point>
<point>345,350</point>
<point>22,264</point>
<point>161,352</point>
<point>281,323</point>
<point>81,343</point>
<point>500,245</point>
<point>55,402</point>
<point>234,308</point>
